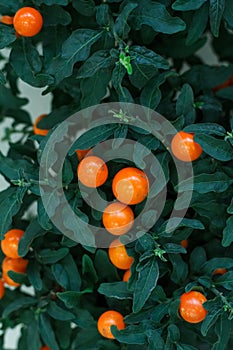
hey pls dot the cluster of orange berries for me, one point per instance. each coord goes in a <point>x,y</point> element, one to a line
<point>12,261</point>
<point>27,21</point>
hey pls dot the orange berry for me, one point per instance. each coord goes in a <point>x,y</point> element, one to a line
<point>17,265</point>
<point>28,21</point>
<point>118,218</point>
<point>92,171</point>
<point>191,309</point>
<point>108,319</point>
<point>2,289</point>
<point>118,255</point>
<point>220,271</point>
<point>7,20</point>
<point>45,347</point>
<point>127,275</point>
<point>10,243</point>
<point>81,153</point>
<point>184,147</point>
<point>38,131</point>
<point>184,243</point>
<point>130,185</point>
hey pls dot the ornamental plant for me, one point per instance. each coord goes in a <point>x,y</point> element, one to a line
<point>67,294</point>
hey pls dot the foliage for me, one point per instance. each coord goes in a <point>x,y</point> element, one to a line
<point>136,51</point>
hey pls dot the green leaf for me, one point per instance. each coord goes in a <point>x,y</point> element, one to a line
<point>225,281</point>
<point>204,183</point>
<point>9,101</point>
<point>2,78</point>
<point>18,304</point>
<point>184,104</point>
<point>140,55</point>
<point>206,128</point>
<point>105,269</point>
<point>7,36</point>
<point>32,231</point>
<point>50,256</point>
<point>223,328</point>
<point>88,270</point>
<point>197,259</point>
<point>227,238</point>
<point>54,15</point>
<point>59,313</point>
<point>9,207</point>
<point>216,11</point>
<point>75,49</point>
<point>46,332</point>
<point>216,263</point>
<point>94,88</point>
<point>99,60</point>
<point>53,2</point>
<point>66,274</point>
<point>134,334</point>
<point>93,136</point>
<point>198,24</point>
<point>165,23</point>
<point>180,269</point>
<point>27,64</point>
<point>214,308</point>
<point>121,27</point>
<point>228,13</point>
<point>155,340</point>
<point>187,5</point>
<point>226,93</point>
<point>173,333</point>
<point>33,333</point>
<point>117,290</point>
<point>218,149</point>
<point>72,299</point>
<point>146,282</point>
<point>33,274</point>
<point>84,7</point>
<point>151,94</point>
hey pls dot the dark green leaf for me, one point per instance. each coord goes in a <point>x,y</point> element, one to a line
<point>165,23</point>
<point>116,290</point>
<point>33,274</point>
<point>214,308</point>
<point>2,78</point>
<point>18,304</point>
<point>218,149</point>
<point>121,27</point>
<point>7,36</point>
<point>198,24</point>
<point>59,313</point>
<point>75,49</point>
<point>206,128</point>
<point>49,256</point>
<point>228,13</point>
<point>223,328</point>
<point>32,231</point>
<point>228,232</point>
<point>54,15</point>
<point>187,5</point>
<point>146,282</point>
<point>99,60</point>
<point>204,183</point>
<point>130,335</point>
<point>216,12</point>
<point>46,332</point>
<point>9,207</point>
<point>84,7</point>
<point>72,299</point>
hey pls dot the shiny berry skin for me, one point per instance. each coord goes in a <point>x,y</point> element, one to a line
<point>118,255</point>
<point>130,185</point>
<point>7,20</point>
<point>191,308</point>
<point>184,147</point>
<point>28,21</point>
<point>118,218</point>
<point>184,243</point>
<point>10,243</point>
<point>108,319</point>
<point>92,171</point>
